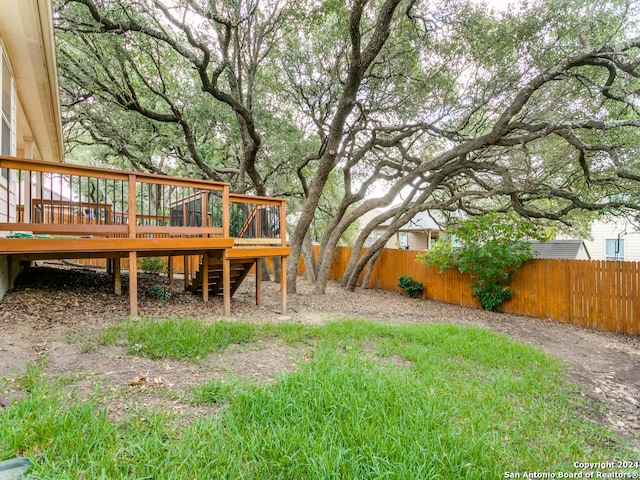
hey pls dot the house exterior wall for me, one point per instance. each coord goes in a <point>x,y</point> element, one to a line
<point>8,119</point>
<point>603,231</point>
<point>415,240</point>
<point>420,240</point>
<point>7,126</point>
<point>583,255</point>
<point>27,45</point>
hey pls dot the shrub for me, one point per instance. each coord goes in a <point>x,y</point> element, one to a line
<point>491,249</point>
<point>159,292</point>
<point>411,286</point>
<point>152,264</point>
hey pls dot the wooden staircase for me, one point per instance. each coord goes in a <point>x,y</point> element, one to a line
<point>239,270</point>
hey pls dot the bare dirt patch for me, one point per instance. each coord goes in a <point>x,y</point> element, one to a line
<point>53,310</point>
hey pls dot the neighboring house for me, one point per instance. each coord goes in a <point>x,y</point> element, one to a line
<point>569,249</point>
<point>418,234</point>
<point>614,240</point>
<point>29,105</point>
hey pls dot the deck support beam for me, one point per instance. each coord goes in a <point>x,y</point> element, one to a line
<point>117,277</point>
<point>205,276</point>
<point>186,272</point>
<point>258,280</point>
<point>170,270</point>
<point>283,286</point>
<point>226,285</point>
<point>133,284</point>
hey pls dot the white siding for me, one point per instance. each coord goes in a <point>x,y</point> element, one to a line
<point>603,231</point>
<point>7,211</point>
<point>417,240</point>
<point>8,201</point>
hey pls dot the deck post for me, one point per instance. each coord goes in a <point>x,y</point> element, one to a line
<point>225,211</point>
<point>133,284</point>
<point>170,270</point>
<point>133,255</point>
<point>117,277</point>
<point>133,214</point>
<point>283,286</point>
<point>28,198</point>
<point>205,276</point>
<point>258,281</point>
<point>226,285</point>
<point>186,272</point>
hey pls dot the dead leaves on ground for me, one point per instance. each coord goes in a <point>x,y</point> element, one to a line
<point>142,380</point>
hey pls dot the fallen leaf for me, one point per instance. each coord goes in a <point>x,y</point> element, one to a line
<point>139,380</point>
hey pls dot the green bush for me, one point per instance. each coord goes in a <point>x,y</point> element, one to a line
<point>491,249</point>
<point>411,286</point>
<point>159,292</point>
<point>152,264</point>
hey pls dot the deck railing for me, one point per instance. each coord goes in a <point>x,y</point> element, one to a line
<point>260,220</point>
<point>61,199</point>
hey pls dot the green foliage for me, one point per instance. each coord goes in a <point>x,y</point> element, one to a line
<point>491,249</point>
<point>413,287</point>
<point>159,292</point>
<point>210,392</point>
<point>375,401</point>
<point>152,264</point>
<point>184,338</point>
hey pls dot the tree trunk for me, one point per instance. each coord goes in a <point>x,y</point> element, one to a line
<point>352,279</point>
<point>264,270</point>
<point>309,259</point>
<point>325,260</point>
<point>304,222</point>
<point>361,262</point>
<point>277,265</point>
<point>359,61</point>
<point>359,244</point>
<point>370,265</point>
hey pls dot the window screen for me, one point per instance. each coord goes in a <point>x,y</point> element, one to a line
<point>615,249</point>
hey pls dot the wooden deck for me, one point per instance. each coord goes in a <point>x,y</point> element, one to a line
<point>60,211</point>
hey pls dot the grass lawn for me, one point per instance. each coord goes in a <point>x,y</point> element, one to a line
<point>370,401</point>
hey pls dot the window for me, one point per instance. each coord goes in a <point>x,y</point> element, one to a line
<point>403,241</point>
<point>7,111</point>
<point>371,239</point>
<point>455,243</point>
<point>615,249</point>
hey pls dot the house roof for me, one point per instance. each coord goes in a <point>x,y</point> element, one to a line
<point>421,221</point>
<point>26,28</point>
<point>568,249</point>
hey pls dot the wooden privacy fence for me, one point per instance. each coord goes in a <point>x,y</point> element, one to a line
<point>589,293</point>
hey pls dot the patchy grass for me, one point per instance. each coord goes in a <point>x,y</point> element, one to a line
<point>372,401</point>
<point>179,339</point>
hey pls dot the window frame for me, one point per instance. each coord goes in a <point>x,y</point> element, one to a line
<point>618,249</point>
<point>403,240</point>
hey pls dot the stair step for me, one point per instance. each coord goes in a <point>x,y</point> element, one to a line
<point>238,271</point>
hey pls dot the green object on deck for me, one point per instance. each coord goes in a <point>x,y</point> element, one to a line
<point>28,235</point>
<point>40,235</point>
